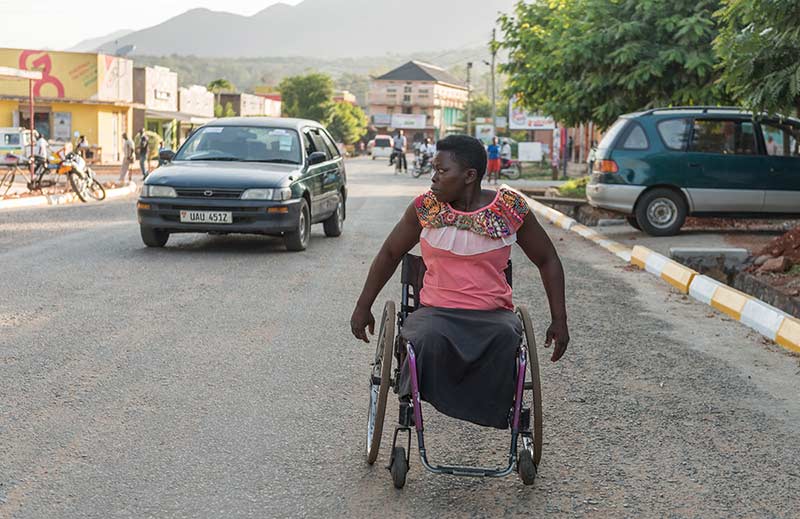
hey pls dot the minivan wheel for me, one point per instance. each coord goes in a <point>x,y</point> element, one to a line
<point>661,212</point>
<point>633,223</point>
<point>297,240</point>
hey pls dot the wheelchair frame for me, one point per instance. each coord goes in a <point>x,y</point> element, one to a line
<point>390,346</point>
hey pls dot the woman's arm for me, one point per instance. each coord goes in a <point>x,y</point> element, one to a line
<point>538,247</point>
<point>401,240</point>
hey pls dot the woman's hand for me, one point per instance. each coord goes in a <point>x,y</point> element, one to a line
<point>360,320</point>
<point>557,332</point>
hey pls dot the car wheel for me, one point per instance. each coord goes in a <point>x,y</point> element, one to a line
<point>297,240</point>
<point>153,237</point>
<point>661,212</point>
<point>335,223</point>
<point>633,223</point>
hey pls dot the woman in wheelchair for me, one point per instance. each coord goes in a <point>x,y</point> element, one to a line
<point>465,334</point>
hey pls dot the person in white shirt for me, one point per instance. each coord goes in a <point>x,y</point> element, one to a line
<point>128,155</point>
<point>426,151</point>
<point>505,153</point>
<point>41,150</point>
<point>400,144</point>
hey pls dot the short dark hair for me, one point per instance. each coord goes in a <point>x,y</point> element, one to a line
<point>467,151</point>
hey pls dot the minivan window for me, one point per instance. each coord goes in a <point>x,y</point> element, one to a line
<point>382,143</point>
<point>723,136</point>
<point>674,133</point>
<point>611,135</point>
<point>636,138</point>
<point>781,140</point>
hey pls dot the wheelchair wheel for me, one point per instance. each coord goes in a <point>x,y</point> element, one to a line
<point>398,467</point>
<point>529,339</point>
<point>380,380</point>
<point>526,468</point>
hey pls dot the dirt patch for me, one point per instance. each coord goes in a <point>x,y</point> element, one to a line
<point>787,245</point>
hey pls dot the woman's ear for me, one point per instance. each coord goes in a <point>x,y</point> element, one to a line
<point>471,176</point>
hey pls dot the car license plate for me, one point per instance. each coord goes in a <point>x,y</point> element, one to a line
<point>206,217</point>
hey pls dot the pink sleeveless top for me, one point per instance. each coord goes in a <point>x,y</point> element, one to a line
<point>466,253</point>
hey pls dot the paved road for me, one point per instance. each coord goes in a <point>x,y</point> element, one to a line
<point>217,378</point>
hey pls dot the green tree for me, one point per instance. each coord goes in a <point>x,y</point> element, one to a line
<point>218,86</point>
<point>592,60</point>
<point>308,97</point>
<point>348,123</point>
<point>758,48</point>
<point>229,111</point>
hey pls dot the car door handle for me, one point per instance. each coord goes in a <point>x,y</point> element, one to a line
<point>695,165</point>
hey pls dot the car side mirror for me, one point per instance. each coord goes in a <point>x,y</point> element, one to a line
<point>316,158</point>
<point>166,155</point>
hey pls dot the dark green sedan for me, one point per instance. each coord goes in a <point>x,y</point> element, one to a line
<point>250,175</point>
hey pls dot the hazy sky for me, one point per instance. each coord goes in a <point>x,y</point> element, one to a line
<point>59,24</point>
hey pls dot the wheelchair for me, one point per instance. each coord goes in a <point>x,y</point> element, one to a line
<point>525,418</point>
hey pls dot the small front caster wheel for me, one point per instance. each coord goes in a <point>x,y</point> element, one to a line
<point>525,467</point>
<point>399,467</point>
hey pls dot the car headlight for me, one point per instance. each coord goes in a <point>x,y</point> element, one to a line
<point>278,194</point>
<point>158,191</point>
<point>257,194</point>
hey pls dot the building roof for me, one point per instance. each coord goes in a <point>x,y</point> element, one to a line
<point>419,71</point>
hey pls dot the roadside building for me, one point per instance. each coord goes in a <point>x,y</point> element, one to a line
<point>89,94</point>
<point>345,96</point>
<point>251,105</point>
<point>157,89</point>
<point>420,98</point>
<point>196,107</point>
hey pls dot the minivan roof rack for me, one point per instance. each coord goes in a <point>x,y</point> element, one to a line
<point>702,109</point>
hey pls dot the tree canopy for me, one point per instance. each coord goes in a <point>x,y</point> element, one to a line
<point>348,123</point>
<point>592,60</point>
<point>758,47</point>
<point>308,97</point>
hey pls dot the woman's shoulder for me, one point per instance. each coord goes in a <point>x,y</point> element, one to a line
<point>428,208</point>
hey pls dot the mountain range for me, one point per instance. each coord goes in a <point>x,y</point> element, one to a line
<point>319,28</point>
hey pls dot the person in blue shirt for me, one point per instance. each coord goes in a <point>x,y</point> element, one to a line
<point>493,164</point>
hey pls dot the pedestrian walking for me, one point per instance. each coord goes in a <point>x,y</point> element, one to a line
<point>83,147</point>
<point>400,143</point>
<point>493,164</point>
<point>142,143</point>
<point>128,152</point>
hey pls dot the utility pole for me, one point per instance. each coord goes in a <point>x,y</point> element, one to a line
<point>494,93</point>
<point>469,99</point>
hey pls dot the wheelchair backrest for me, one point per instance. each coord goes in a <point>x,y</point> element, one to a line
<point>412,275</point>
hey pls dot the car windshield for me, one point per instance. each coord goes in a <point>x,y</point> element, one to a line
<point>242,144</point>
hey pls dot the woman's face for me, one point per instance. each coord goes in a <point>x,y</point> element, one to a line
<point>450,180</point>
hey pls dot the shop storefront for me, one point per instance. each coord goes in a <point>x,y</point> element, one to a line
<point>79,94</point>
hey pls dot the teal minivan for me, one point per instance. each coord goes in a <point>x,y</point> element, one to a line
<point>661,165</point>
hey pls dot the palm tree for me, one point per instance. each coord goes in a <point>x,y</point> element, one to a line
<point>219,85</point>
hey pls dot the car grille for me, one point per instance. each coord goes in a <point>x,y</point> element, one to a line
<point>207,192</point>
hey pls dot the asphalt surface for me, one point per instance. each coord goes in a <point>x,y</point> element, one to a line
<point>218,378</point>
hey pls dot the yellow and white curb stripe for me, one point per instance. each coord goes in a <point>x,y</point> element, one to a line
<point>670,271</point>
<point>767,320</point>
<point>563,221</point>
<point>62,199</point>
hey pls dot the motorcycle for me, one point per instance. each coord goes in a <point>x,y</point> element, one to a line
<point>423,165</point>
<point>511,169</point>
<point>81,177</point>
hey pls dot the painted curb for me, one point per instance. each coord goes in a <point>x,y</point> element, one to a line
<point>669,270</point>
<point>62,199</point>
<point>767,320</point>
<point>563,221</point>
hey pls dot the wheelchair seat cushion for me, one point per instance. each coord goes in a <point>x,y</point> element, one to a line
<point>465,362</point>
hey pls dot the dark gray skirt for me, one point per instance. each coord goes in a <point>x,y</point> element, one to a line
<point>465,362</point>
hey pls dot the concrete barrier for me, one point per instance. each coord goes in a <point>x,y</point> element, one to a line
<point>670,271</point>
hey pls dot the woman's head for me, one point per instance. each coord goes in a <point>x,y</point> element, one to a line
<point>458,167</point>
